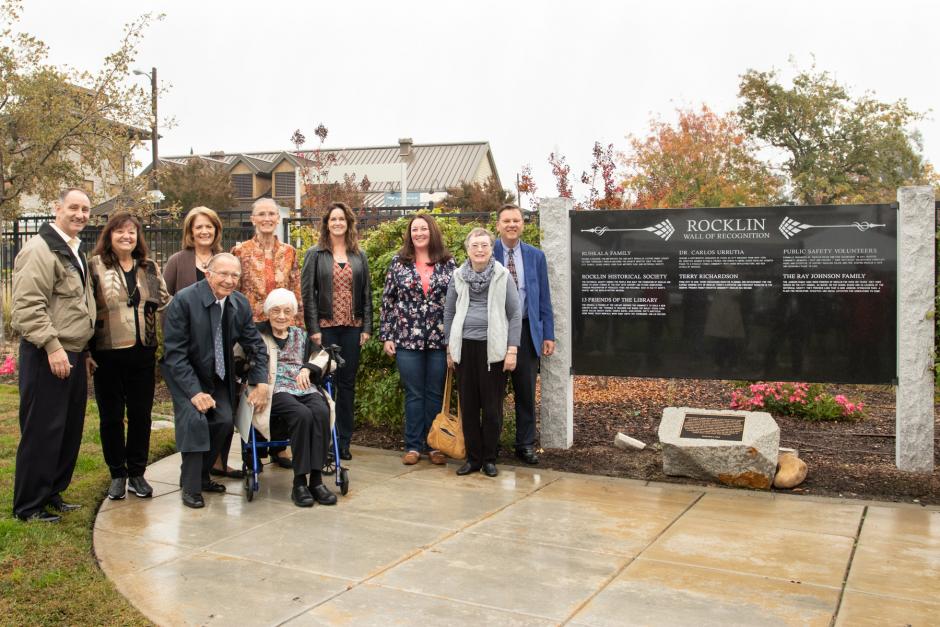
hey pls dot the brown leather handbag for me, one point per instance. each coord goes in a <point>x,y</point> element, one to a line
<point>446,433</point>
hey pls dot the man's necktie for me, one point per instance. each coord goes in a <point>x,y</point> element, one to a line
<point>511,266</point>
<point>219,349</point>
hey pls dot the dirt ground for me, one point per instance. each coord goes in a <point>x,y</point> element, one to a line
<point>848,459</point>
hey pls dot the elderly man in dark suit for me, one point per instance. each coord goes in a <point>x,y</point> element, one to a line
<point>527,266</point>
<point>203,323</point>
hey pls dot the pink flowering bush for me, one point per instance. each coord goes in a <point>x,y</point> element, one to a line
<point>9,366</point>
<point>804,400</point>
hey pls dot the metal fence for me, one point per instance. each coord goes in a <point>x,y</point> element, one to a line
<point>163,234</point>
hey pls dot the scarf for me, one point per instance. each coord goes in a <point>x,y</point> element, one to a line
<point>478,282</point>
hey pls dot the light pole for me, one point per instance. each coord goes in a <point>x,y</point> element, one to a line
<point>154,136</point>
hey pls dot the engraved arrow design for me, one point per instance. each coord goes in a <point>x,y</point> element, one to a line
<point>790,227</point>
<point>664,230</point>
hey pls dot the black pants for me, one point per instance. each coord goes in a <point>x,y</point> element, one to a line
<point>194,471</point>
<point>523,387</point>
<point>347,338</point>
<point>481,387</point>
<point>307,419</point>
<point>52,414</point>
<point>125,379</point>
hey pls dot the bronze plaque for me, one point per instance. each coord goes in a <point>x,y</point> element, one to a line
<point>711,427</point>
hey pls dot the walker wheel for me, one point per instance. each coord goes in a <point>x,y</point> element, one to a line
<point>343,481</point>
<point>329,468</point>
<point>249,477</point>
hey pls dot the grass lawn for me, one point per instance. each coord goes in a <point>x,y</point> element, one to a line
<point>48,573</point>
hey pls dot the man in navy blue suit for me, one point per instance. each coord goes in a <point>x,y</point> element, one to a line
<point>526,265</point>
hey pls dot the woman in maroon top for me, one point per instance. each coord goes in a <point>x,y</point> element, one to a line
<point>337,301</point>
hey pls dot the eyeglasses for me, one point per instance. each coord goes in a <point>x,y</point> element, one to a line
<point>226,275</point>
<point>480,245</point>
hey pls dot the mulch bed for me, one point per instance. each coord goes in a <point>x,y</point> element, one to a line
<point>846,459</point>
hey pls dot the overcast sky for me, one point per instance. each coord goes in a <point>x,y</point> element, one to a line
<point>530,77</point>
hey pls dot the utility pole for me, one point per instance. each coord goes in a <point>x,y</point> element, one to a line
<point>154,126</point>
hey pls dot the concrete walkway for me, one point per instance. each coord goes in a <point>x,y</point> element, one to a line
<point>420,546</point>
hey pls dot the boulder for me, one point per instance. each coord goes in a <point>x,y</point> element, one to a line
<point>627,443</point>
<point>736,448</point>
<point>791,471</point>
<point>158,425</point>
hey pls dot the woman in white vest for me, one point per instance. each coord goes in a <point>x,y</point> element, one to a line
<point>482,324</point>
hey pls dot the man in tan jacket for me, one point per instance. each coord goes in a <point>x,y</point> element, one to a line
<point>54,313</point>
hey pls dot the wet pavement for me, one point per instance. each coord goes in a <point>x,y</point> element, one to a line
<point>417,545</point>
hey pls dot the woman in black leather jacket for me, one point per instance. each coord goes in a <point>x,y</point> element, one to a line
<point>337,297</point>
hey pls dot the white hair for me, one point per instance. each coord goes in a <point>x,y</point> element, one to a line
<point>263,201</point>
<point>278,298</point>
<point>223,256</point>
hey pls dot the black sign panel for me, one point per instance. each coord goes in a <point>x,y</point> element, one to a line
<point>766,293</point>
<point>712,427</point>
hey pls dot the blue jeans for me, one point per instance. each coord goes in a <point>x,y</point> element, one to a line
<point>422,373</point>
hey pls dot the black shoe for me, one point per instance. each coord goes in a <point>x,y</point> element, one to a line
<point>284,462</point>
<point>140,487</point>
<point>59,505</point>
<point>344,453</point>
<point>213,486</point>
<point>301,496</point>
<point>489,469</point>
<point>117,490</point>
<point>466,469</point>
<point>193,500</point>
<point>527,455</point>
<point>230,473</point>
<point>41,516</point>
<point>323,495</point>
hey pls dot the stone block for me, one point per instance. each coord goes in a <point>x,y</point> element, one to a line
<point>158,425</point>
<point>749,460</point>
<point>627,443</point>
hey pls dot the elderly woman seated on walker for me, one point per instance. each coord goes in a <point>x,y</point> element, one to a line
<point>297,407</point>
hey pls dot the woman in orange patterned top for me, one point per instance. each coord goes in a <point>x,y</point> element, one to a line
<point>268,264</point>
<point>337,297</point>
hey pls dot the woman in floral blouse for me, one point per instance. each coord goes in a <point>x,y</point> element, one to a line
<point>413,328</point>
<point>268,264</point>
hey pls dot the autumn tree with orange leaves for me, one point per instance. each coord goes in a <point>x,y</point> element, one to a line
<point>704,160</point>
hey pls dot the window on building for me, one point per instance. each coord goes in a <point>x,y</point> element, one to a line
<point>89,186</point>
<point>242,185</point>
<point>284,184</point>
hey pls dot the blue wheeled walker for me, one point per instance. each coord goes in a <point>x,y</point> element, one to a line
<point>250,443</point>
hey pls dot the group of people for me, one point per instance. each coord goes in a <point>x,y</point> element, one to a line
<point>250,316</point>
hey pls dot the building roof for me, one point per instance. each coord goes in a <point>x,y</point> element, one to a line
<point>433,168</point>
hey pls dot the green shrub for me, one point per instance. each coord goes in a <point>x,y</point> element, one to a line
<point>379,396</point>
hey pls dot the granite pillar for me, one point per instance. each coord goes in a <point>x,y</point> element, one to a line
<point>557,406</point>
<point>914,442</point>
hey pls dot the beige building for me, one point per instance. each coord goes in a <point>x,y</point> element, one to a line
<point>425,170</point>
<point>99,186</point>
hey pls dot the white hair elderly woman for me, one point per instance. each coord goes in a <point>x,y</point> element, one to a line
<point>482,324</point>
<point>297,408</point>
